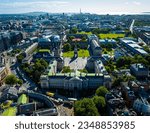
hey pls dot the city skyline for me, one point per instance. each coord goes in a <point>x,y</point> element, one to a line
<point>72,6</point>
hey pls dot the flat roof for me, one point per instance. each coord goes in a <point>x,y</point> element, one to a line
<point>72,74</point>
<point>135,46</point>
<point>142,51</point>
<point>128,41</point>
<point>138,48</point>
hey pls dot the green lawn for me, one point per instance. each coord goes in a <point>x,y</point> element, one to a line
<point>68,54</point>
<point>104,36</point>
<point>10,111</point>
<point>81,53</point>
<point>44,50</point>
<point>111,53</point>
<point>111,35</point>
<point>23,99</point>
<point>83,32</point>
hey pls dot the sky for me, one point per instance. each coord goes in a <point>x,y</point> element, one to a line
<point>69,6</point>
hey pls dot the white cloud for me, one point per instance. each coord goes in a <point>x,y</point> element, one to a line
<point>34,3</point>
<point>126,3</point>
<point>136,3</point>
<point>33,6</point>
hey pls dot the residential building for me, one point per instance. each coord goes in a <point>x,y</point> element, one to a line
<point>9,93</point>
<point>139,70</point>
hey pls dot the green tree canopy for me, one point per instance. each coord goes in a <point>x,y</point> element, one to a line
<point>67,47</point>
<point>101,91</point>
<point>73,30</point>
<point>127,61</point>
<point>66,69</point>
<point>11,79</point>
<point>99,101</point>
<point>35,69</point>
<point>20,57</point>
<point>19,81</point>
<point>85,107</point>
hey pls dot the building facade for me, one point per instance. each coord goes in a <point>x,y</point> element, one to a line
<point>74,82</point>
<point>3,74</point>
<point>139,70</point>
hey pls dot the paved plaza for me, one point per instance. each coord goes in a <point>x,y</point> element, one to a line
<point>78,63</point>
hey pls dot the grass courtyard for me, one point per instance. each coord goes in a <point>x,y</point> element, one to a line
<point>81,53</point>
<point>105,36</point>
<point>111,52</point>
<point>83,32</point>
<point>111,36</point>
<point>11,111</point>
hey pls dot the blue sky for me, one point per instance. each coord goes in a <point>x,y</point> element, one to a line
<point>92,6</point>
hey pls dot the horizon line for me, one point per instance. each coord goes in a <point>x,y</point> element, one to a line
<point>112,13</point>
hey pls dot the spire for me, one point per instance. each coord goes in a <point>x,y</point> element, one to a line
<point>80,11</point>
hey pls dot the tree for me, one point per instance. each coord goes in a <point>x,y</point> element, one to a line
<point>117,81</point>
<point>43,62</point>
<point>11,79</point>
<point>85,107</point>
<point>96,31</point>
<point>101,91</point>
<point>147,49</point>
<point>67,47</point>
<point>36,76</point>
<point>20,58</point>
<point>70,38</point>
<point>124,61</point>
<point>148,59</point>
<point>100,103</point>
<point>66,69</point>
<point>84,39</point>
<point>19,81</point>
<point>73,30</point>
<point>35,70</point>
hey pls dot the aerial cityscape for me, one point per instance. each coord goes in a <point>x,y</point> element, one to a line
<point>58,60</point>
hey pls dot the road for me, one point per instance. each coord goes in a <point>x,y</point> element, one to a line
<point>132,26</point>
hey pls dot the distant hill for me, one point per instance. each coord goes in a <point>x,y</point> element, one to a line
<point>28,14</point>
<point>146,12</point>
<point>34,13</point>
